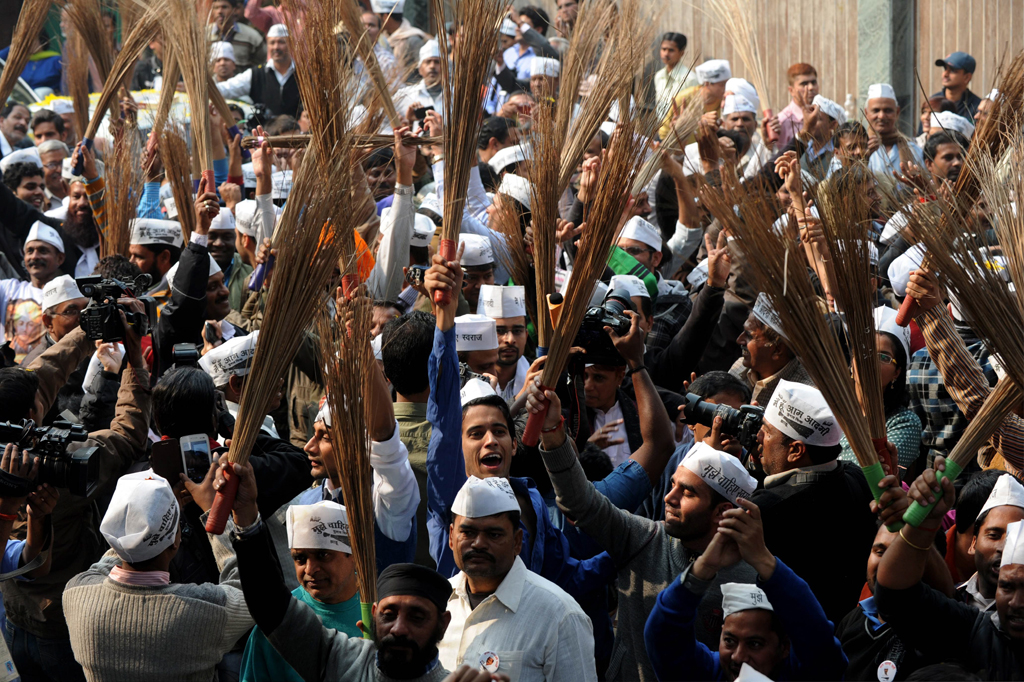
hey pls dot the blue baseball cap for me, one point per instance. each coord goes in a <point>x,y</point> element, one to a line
<point>958,60</point>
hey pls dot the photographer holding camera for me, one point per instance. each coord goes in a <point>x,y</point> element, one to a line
<point>19,471</point>
<point>37,633</point>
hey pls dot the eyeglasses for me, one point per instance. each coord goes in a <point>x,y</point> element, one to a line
<point>70,312</point>
<point>53,165</point>
<point>636,250</point>
<point>886,358</point>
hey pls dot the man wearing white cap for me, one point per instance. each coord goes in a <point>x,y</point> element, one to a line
<point>129,589</point>
<point>247,43</point>
<point>883,114</point>
<point>942,628</point>
<point>155,247</point>
<point>946,121</point>
<point>765,358</point>
<point>478,263</point>
<point>739,113</point>
<point>797,447</point>
<point>21,312</point>
<point>427,92</point>
<point>272,84</point>
<point>83,214</point>
<point>404,39</point>
<point>711,76</point>
<point>820,122</point>
<point>222,57</point>
<point>506,618</point>
<point>62,306</point>
<point>476,342</point>
<point>544,76</point>
<point>507,307</point>
<point>776,626</point>
<point>228,365</point>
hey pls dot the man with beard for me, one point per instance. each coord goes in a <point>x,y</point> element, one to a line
<point>507,306</point>
<point>21,312</point>
<point>155,247</point>
<point>944,156</point>
<point>25,179</point>
<point>504,617</point>
<point>408,620</point>
<point>272,84</point>
<point>84,217</point>
<point>1004,506</point>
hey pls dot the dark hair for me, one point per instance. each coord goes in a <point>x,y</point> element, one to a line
<point>895,397</point>
<point>157,249</point>
<point>9,107</point>
<point>538,17</point>
<point>182,399</point>
<point>491,180</point>
<point>818,454</point>
<point>419,255</point>
<point>493,401</point>
<point>17,172</point>
<point>47,116</point>
<point>279,125</point>
<point>718,382</point>
<point>406,344</point>
<point>972,498</point>
<point>678,38</point>
<point>17,392</point>
<point>848,129</point>
<point>596,463</point>
<point>119,267</point>
<point>942,671</point>
<point>497,127</point>
<point>931,146</point>
<point>381,157</point>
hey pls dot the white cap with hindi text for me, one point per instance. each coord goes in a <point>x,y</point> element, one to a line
<point>475,332</point>
<point>698,275</point>
<point>478,250</point>
<point>231,358</point>
<point>640,230</point>
<point>62,107</point>
<point>630,283</point>
<point>245,217</point>
<point>153,232</point>
<point>323,525</point>
<point>142,518</point>
<point>1007,492</point>
<point>829,108</point>
<point>481,497</point>
<point>881,91</point>
<point>58,290</point>
<point>901,267</point>
<point>29,155</point>
<point>720,470</point>
<point>423,230</point>
<point>765,312</point>
<point>500,302</point>
<point>737,104</point>
<point>41,232</point>
<point>518,188</point>
<point>713,71</point>
<point>504,158</point>
<point>743,597</point>
<point>800,412</point>
<point>430,50</point>
<point>885,321</point>
<point>947,120</point>
<point>475,388</point>
<point>741,86</point>
<point>543,66</point>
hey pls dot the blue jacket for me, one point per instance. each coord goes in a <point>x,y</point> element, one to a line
<point>43,71</point>
<point>814,654</point>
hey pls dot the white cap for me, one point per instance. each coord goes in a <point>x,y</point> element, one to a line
<point>800,412</point>
<point>1007,492</point>
<point>376,345</point>
<point>475,332</point>
<point>476,388</point>
<point>499,302</point>
<point>214,269</point>
<point>222,50</point>
<point>901,267</point>
<point>642,231</point>
<point>248,176</point>
<point>41,232</point>
<point>631,283</point>
<point>62,107</point>
<point>29,155</point>
<point>278,31</point>
<point>231,358</point>
<point>481,497</point>
<point>430,203</point>
<point>893,227</point>
<point>324,415</point>
<point>766,313</point>
<point>721,471</point>
<point>281,184</point>
<point>543,66</point>
<point>885,321</point>
<point>947,120</point>
<point>508,27</point>
<point>830,108</point>
<point>881,91</point>
<point>738,103</point>
<point>224,221</point>
<point>698,275</point>
<point>743,597</point>
<point>58,290</point>
<point>149,231</point>
<point>422,231</point>
<point>478,250</point>
<point>142,517</point>
<point>387,6</point>
<point>507,156</point>
<point>430,50</point>
<point>1013,550</point>
<point>245,217</point>
<point>323,525</point>
<point>741,86</point>
<point>516,187</point>
<point>750,674</point>
<point>713,71</point>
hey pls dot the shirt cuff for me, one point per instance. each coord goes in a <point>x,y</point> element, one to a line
<point>524,27</point>
<point>387,448</point>
<point>405,190</point>
<point>200,239</point>
<point>692,583</point>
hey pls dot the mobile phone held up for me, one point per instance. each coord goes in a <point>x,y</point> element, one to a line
<point>421,112</point>
<point>196,456</point>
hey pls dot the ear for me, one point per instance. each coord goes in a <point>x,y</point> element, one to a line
<point>656,258</point>
<point>451,536</point>
<point>60,259</point>
<point>796,452</point>
<point>163,259</point>
<point>235,383</point>
<point>48,322</point>
<point>974,541</point>
<point>446,620</point>
<point>518,540</point>
<point>719,511</point>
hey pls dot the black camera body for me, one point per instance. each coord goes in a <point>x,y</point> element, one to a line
<point>101,320</point>
<point>742,424</point>
<point>258,116</point>
<point>77,471</point>
<point>592,337</point>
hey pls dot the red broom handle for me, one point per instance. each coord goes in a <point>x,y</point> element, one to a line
<point>534,424</point>
<point>223,503</point>
<point>211,183</point>
<point>349,284</point>
<point>447,250</point>
<point>772,135</point>
<point>908,311</point>
<point>884,456</point>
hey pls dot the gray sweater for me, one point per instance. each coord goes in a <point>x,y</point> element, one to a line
<point>648,559</point>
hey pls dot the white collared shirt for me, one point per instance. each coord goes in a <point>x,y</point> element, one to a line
<point>885,160</point>
<point>513,387</point>
<point>533,629</point>
<point>268,424</point>
<point>417,92</point>
<point>977,599</point>
<point>619,452</point>
<point>240,85</point>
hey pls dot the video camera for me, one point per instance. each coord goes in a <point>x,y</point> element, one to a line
<point>742,424</point>
<point>100,319</point>
<point>76,471</point>
<point>258,116</point>
<point>592,337</point>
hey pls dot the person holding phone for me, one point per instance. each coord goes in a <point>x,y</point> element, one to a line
<point>427,92</point>
<point>228,365</point>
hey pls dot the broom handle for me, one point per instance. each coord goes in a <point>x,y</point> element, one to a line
<point>874,474</point>
<point>534,424</point>
<point>365,610</point>
<point>772,135</point>
<point>917,513</point>
<point>223,503</point>
<point>349,284</point>
<point>256,281</point>
<point>908,311</point>
<point>446,248</point>
<point>80,165</point>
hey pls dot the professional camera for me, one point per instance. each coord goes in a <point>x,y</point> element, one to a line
<point>592,337</point>
<point>742,424</point>
<point>76,471</point>
<point>258,116</point>
<point>100,319</point>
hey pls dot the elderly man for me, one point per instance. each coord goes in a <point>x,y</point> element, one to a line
<point>85,216</point>
<point>21,312</point>
<point>478,262</point>
<point>883,114</point>
<point>544,75</point>
<point>766,359</point>
<point>404,39</point>
<point>507,307</point>
<point>427,92</point>
<point>52,154</point>
<point>247,43</point>
<point>372,25</point>
<point>272,84</point>
<point>505,618</point>
<point>228,365</point>
<point>797,448</point>
<point>222,58</point>
<point>776,626</point>
<point>62,306</point>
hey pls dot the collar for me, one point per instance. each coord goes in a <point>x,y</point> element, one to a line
<point>614,412</point>
<point>509,592</point>
<point>777,479</point>
<point>813,153</point>
<point>288,72</point>
<point>977,600</point>
<point>413,410</point>
<point>140,578</point>
<point>783,372</point>
<point>795,110</point>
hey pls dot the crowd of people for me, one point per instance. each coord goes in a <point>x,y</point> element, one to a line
<point>635,541</point>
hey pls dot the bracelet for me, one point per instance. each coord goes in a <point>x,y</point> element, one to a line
<point>8,517</point>
<point>917,547</point>
<point>561,422</point>
<point>641,368</point>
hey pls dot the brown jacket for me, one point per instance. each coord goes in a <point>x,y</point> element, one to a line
<point>36,605</point>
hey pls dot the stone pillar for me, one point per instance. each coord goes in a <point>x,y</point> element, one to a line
<point>885,53</point>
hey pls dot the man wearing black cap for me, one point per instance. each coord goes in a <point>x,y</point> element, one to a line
<point>957,71</point>
<point>409,617</point>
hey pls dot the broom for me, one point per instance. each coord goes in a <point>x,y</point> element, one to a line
<point>77,70</point>
<point>366,142</point>
<point>593,23</point>
<point>350,14</point>
<point>308,242</point>
<point>221,105</point>
<point>171,74</point>
<point>124,185</point>
<point>543,175</point>
<point>87,18</point>
<point>177,160</point>
<point>30,24</point>
<point>347,358</point>
<point>681,128</point>
<point>507,222</point>
<point>463,85</point>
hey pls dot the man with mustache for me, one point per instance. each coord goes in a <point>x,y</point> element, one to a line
<point>21,312</point>
<point>507,306</point>
<point>426,93</point>
<point>506,618</point>
<point>272,84</point>
<point>84,217</point>
<point>1005,505</point>
<point>14,119</point>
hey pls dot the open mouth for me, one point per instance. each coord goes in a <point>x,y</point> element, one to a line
<point>491,460</point>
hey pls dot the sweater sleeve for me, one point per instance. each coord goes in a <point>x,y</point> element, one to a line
<point>149,204</point>
<point>671,640</point>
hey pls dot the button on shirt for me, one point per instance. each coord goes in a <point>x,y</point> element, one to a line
<point>619,452</point>
<point>536,630</point>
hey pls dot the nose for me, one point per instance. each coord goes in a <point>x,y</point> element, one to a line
<point>741,655</point>
<point>311,447</point>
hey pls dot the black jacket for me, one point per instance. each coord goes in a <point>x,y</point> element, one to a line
<point>264,89</point>
<point>670,366</point>
<point>16,219</point>
<point>867,648</point>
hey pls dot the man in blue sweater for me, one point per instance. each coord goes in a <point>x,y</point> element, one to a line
<point>776,626</point>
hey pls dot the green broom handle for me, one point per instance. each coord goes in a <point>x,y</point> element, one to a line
<point>917,513</point>
<point>875,473</point>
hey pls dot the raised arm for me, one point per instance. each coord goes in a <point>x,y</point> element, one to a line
<point>55,365</point>
<point>397,229</point>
